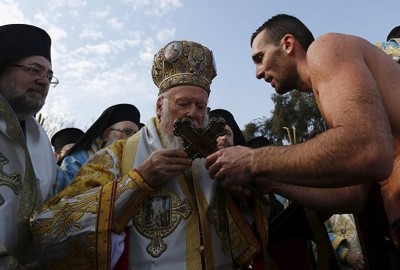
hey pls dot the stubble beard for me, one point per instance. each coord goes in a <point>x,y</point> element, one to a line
<point>290,82</point>
<point>23,105</point>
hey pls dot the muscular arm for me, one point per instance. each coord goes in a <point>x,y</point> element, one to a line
<point>338,200</point>
<point>358,146</point>
<point>356,149</point>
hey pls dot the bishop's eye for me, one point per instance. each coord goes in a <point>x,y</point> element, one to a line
<point>34,71</point>
<point>184,105</point>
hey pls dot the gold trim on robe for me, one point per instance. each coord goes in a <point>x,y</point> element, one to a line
<point>101,200</point>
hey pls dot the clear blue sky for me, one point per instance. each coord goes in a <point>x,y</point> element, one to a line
<point>103,49</point>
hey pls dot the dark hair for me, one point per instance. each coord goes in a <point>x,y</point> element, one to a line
<point>394,33</point>
<point>280,25</point>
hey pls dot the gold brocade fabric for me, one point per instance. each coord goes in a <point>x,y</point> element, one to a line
<point>98,167</point>
<point>86,203</point>
<point>75,226</point>
<point>183,63</point>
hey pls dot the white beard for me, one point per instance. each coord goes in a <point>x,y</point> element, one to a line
<point>169,140</point>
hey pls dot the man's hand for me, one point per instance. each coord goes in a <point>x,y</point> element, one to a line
<point>164,164</point>
<point>231,166</point>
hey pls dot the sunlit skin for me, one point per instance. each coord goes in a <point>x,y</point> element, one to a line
<point>25,93</point>
<point>356,89</point>
<point>164,164</point>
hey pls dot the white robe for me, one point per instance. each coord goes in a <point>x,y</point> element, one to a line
<point>27,173</point>
<point>75,226</point>
<point>177,242</point>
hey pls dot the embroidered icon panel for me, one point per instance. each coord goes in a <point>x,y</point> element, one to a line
<point>344,227</point>
<point>13,181</point>
<point>158,217</point>
<point>199,142</point>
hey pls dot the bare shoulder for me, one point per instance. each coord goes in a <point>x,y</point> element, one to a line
<point>334,47</point>
<point>339,72</point>
<point>334,56</point>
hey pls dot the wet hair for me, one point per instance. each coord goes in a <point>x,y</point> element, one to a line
<point>394,33</point>
<point>280,25</point>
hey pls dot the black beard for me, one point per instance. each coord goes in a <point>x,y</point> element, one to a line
<point>23,105</point>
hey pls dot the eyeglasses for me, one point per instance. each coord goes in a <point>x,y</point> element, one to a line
<point>126,131</point>
<point>36,72</point>
<point>186,105</point>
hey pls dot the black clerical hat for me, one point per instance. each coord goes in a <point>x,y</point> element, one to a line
<point>65,136</point>
<point>23,40</point>
<point>238,138</point>
<point>112,115</point>
<point>257,142</point>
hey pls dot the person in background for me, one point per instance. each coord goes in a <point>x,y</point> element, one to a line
<point>394,33</point>
<point>63,140</point>
<point>27,164</point>
<point>392,45</point>
<point>233,135</point>
<point>343,234</point>
<point>142,203</point>
<point>115,123</point>
<point>357,91</point>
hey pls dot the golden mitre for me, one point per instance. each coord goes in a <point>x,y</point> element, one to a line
<point>183,63</point>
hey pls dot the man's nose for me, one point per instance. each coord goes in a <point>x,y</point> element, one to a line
<point>222,138</point>
<point>259,74</point>
<point>192,110</point>
<point>43,80</point>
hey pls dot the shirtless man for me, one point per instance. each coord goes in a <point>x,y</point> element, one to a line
<point>357,90</point>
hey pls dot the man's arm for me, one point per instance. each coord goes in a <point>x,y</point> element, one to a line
<point>78,222</point>
<point>100,201</point>
<point>339,200</point>
<point>356,149</point>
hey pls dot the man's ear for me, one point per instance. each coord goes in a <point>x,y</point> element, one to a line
<point>159,106</point>
<point>105,133</point>
<point>288,43</point>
